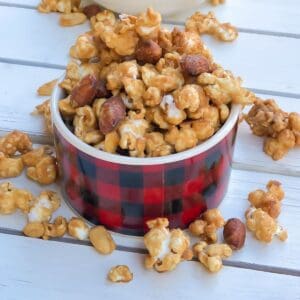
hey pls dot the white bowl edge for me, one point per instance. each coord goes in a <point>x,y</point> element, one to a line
<point>126,160</point>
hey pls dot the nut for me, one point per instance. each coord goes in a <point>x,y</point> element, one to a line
<point>194,64</point>
<point>85,92</point>
<point>102,240</point>
<point>120,273</point>
<point>91,10</point>
<point>111,113</point>
<point>234,233</point>
<point>101,89</point>
<point>148,51</point>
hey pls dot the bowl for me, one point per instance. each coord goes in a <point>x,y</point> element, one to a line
<point>166,7</point>
<point>122,192</point>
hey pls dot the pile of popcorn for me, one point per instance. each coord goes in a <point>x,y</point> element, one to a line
<point>138,89</point>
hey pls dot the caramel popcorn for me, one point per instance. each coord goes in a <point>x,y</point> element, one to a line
<point>165,247</point>
<point>206,227</point>
<point>217,2</point>
<point>120,273</point>
<point>78,229</point>
<point>15,141</point>
<point>211,255</point>
<point>10,167</point>
<point>281,129</point>
<point>269,201</point>
<point>43,207</point>
<point>12,198</point>
<point>102,240</point>
<point>47,88</point>
<point>263,226</point>
<point>44,110</point>
<point>85,125</point>
<point>208,24</point>
<point>63,6</point>
<point>130,77</point>
<point>72,19</point>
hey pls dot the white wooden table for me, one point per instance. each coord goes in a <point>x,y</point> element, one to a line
<point>34,49</point>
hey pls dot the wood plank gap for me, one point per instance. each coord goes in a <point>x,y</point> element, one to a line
<point>235,264</point>
<point>274,93</point>
<point>31,63</point>
<point>264,169</point>
<point>247,30</point>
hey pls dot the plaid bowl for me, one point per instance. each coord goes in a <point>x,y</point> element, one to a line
<point>122,193</point>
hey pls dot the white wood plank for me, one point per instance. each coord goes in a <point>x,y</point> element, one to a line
<point>265,62</point>
<point>283,255</point>
<point>51,270</point>
<point>15,114</point>
<point>280,16</point>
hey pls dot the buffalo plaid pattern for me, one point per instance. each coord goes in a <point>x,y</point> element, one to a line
<point>123,197</point>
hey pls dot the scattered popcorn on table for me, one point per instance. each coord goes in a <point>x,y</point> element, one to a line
<point>281,129</point>
<point>47,88</point>
<point>263,226</point>
<point>63,6</point>
<point>217,2</point>
<point>44,110</point>
<point>206,227</point>
<point>269,201</point>
<point>12,198</point>
<point>211,255</point>
<point>208,24</point>
<point>102,240</point>
<point>120,273</point>
<point>166,247</point>
<point>10,167</point>
<point>78,229</point>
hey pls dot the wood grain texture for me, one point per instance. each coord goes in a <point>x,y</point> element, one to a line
<point>263,61</point>
<point>78,272</point>
<point>271,16</point>
<point>277,254</point>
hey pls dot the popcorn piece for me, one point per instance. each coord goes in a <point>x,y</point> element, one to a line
<point>72,19</point>
<point>224,112</point>
<point>203,129</point>
<point>263,226</point>
<point>186,43</point>
<point>132,133</point>
<point>66,108</point>
<point>165,247</point>
<point>43,207</point>
<point>156,116</point>
<point>10,167</point>
<point>47,6</point>
<point>56,229</point>
<point>15,141</point>
<point>173,114</point>
<point>44,110</point>
<point>206,227</point>
<point>12,198</point>
<point>47,88</point>
<point>211,255</point>
<point>269,201</point>
<point>208,24</point>
<point>102,240</point>
<point>152,96</point>
<point>148,24</point>
<point>222,88</point>
<point>85,125</point>
<point>217,2</point>
<point>182,139</point>
<point>120,273</point>
<point>156,145</point>
<point>111,142</point>
<point>34,229</point>
<point>78,229</point>
<point>170,60</point>
<point>32,157</point>
<point>135,89</point>
<point>165,39</point>
<point>85,47</point>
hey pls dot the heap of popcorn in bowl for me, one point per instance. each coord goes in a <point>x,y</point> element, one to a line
<point>137,89</point>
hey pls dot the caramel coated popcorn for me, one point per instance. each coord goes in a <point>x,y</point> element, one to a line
<point>12,198</point>
<point>132,84</point>
<point>120,273</point>
<point>166,247</point>
<point>63,6</point>
<point>15,142</point>
<point>47,88</point>
<point>102,240</point>
<point>263,226</point>
<point>206,227</point>
<point>280,129</point>
<point>269,201</point>
<point>217,2</point>
<point>78,229</point>
<point>44,110</point>
<point>208,24</point>
<point>10,167</point>
<point>211,255</point>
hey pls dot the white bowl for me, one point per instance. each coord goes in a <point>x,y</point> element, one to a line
<point>165,7</point>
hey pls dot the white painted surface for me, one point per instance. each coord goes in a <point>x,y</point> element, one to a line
<point>38,269</point>
<point>53,270</point>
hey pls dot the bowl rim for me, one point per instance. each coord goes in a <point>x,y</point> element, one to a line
<point>136,161</point>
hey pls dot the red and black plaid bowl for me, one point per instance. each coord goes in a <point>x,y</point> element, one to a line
<point>123,192</point>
